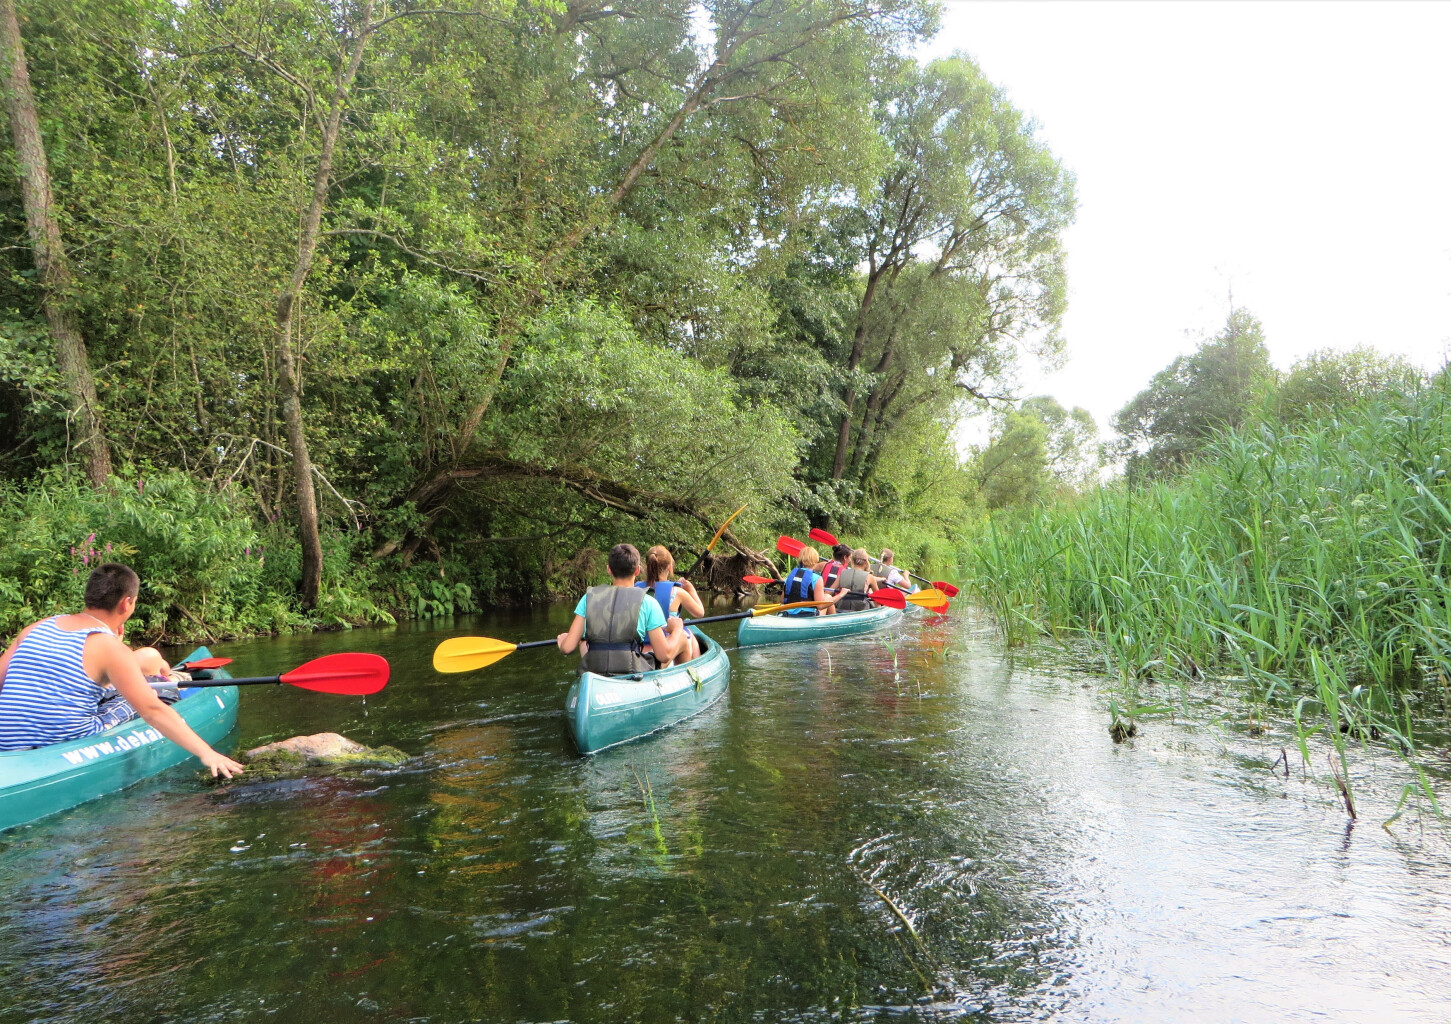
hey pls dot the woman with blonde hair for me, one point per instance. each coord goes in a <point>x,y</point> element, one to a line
<point>674,597</point>
<point>856,582</point>
<point>803,584</point>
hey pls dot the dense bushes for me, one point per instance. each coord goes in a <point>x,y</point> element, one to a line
<point>207,570</point>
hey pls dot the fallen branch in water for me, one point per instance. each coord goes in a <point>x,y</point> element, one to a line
<point>1340,783</point>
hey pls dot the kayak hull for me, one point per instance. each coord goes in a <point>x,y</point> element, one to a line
<point>605,711</point>
<point>782,629</point>
<point>38,782</point>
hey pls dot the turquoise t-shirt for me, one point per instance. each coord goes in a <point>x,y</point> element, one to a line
<point>651,617</point>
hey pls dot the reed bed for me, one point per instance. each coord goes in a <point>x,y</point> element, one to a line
<point>1305,564</point>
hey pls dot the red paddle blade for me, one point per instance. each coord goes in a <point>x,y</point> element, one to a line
<point>889,596</point>
<point>356,674</point>
<point>946,588</point>
<point>789,546</point>
<point>822,537</point>
<point>205,663</point>
<point>758,579</point>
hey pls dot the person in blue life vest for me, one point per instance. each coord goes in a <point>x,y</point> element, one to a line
<point>676,599</point>
<point>804,584</point>
<point>71,676</point>
<point>619,624</point>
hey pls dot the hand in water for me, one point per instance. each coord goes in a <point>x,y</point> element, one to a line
<point>221,765</point>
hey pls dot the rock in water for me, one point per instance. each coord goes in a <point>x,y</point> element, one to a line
<point>314,749</point>
<point>321,750</point>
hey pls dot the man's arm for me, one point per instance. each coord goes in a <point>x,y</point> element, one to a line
<point>119,668</point>
<point>569,641</point>
<point>10,651</point>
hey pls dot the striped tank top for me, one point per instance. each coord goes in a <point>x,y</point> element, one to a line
<point>47,697</point>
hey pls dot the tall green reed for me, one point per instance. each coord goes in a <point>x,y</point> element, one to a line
<point>1300,563</point>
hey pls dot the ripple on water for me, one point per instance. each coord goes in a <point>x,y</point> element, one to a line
<point>950,839</point>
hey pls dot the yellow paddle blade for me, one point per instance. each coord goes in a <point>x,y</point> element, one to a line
<point>929,598</point>
<point>718,533</point>
<point>466,653</point>
<point>767,609</point>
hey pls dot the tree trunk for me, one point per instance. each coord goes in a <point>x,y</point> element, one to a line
<point>289,379</point>
<point>872,414</point>
<point>858,349</point>
<point>50,257</point>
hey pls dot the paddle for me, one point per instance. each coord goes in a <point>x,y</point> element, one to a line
<point>355,675</point>
<point>714,540</point>
<point>894,598</point>
<point>201,663</point>
<point>822,537</point>
<point>467,653</point>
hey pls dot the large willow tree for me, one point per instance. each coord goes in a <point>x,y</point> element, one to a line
<point>458,273</point>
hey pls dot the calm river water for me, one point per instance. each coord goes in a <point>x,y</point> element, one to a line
<point>754,864</point>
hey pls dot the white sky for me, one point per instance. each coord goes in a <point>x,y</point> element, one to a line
<point>1296,153</point>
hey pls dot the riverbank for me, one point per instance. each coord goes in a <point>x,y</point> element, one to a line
<point>1305,565</point>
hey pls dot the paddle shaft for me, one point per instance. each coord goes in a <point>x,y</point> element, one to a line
<point>184,684</point>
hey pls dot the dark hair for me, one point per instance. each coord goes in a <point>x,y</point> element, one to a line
<point>841,552</point>
<point>109,584</point>
<point>658,563</point>
<point>624,560</point>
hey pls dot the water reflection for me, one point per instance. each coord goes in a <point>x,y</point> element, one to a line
<point>860,831</point>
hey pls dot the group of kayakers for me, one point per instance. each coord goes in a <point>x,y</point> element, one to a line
<point>71,676</point>
<point>843,583</point>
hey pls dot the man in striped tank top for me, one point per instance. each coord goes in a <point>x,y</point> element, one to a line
<point>55,673</point>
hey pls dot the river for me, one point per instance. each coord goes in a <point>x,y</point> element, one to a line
<point>919,829</point>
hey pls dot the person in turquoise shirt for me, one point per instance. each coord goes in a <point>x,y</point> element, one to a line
<point>619,624</point>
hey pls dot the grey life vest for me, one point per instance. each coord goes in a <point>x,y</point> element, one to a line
<point>853,580</point>
<point>611,624</point>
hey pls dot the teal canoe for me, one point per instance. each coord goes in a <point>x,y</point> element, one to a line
<point>783,629</point>
<point>604,711</point>
<point>41,781</point>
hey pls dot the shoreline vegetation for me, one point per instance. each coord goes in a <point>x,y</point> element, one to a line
<point>341,312</point>
<point>1302,563</point>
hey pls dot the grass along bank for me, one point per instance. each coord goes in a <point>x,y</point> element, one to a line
<point>1307,564</point>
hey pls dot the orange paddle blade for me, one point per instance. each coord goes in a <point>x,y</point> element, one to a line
<point>758,580</point>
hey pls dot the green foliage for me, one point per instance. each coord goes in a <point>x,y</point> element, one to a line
<point>1327,382</point>
<point>1289,556</point>
<point>1215,388</point>
<point>1037,450</point>
<point>583,274</point>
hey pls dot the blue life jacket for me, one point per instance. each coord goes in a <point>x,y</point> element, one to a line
<point>664,593</point>
<point>799,587</point>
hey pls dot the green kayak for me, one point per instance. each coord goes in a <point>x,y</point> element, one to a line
<point>41,781</point>
<point>782,629</point>
<point>607,710</point>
